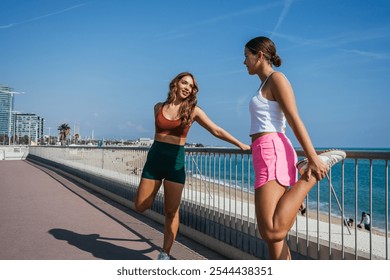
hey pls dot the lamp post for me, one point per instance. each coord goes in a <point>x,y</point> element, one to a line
<point>49,128</point>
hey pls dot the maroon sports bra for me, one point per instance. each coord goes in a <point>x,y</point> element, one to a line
<point>170,127</point>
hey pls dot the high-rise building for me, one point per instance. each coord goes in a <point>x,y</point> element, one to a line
<point>13,125</point>
<point>28,126</point>
<point>6,109</point>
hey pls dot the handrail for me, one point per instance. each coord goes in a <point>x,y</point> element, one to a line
<point>218,197</point>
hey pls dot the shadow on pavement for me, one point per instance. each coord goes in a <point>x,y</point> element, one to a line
<point>99,246</point>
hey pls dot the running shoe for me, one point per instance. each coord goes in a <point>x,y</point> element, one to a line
<point>163,256</point>
<point>330,158</point>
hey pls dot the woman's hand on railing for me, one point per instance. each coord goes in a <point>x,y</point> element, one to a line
<point>245,147</point>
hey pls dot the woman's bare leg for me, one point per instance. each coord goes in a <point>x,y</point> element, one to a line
<point>279,250</point>
<point>146,193</point>
<point>172,198</point>
<point>276,209</point>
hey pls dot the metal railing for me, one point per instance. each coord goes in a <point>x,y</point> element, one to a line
<point>218,198</point>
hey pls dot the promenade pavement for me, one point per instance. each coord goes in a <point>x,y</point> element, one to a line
<point>44,216</point>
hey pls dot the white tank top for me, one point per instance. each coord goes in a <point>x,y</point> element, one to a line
<point>266,115</point>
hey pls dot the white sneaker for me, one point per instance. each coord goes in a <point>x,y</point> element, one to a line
<point>330,158</point>
<point>163,256</point>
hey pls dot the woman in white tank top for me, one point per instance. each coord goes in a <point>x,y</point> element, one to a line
<point>278,194</point>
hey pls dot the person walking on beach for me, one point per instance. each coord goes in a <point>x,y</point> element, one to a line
<point>165,160</point>
<point>278,193</point>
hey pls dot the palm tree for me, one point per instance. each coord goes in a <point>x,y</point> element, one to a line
<point>64,132</point>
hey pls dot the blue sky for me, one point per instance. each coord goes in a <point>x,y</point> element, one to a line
<point>101,65</point>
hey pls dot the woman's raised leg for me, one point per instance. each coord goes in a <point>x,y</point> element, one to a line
<point>146,193</point>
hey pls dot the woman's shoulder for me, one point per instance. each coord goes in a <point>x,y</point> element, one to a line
<point>157,107</point>
<point>279,75</point>
<point>197,110</point>
<point>279,78</point>
<point>199,114</point>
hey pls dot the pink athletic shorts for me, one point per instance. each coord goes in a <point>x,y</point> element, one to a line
<point>274,158</point>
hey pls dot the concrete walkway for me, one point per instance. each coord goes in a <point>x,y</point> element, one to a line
<point>44,216</point>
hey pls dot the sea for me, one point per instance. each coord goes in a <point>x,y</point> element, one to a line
<point>356,194</point>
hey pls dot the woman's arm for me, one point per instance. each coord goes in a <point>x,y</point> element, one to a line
<point>284,95</point>
<point>201,117</point>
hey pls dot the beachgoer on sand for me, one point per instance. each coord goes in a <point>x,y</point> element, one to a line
<point>366,221</point>
<point>278,193</point>
<point>349,222</point>
<point>302,209</point>
<point>165,160</point>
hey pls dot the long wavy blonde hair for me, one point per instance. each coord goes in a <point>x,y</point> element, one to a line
<point>188,105</point>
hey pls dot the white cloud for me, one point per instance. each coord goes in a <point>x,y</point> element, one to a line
<point>373,55</point>
<point>42,17</point>
<point>286,8</point>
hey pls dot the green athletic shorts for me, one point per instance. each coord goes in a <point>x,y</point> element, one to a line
<point>165,161</point>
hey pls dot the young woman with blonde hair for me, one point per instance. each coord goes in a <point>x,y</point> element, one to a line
<point>165,161</point>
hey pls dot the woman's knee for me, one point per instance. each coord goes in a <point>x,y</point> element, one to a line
<point>272,236</point>
<point>171,213</point>
<point>146,193</point>
<point>141,206</point>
